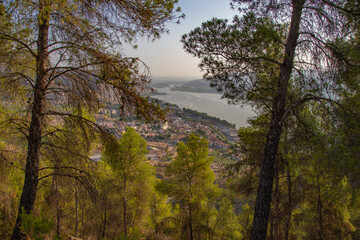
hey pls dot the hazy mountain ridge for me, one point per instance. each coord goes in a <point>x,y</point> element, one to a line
<point>198,85</point>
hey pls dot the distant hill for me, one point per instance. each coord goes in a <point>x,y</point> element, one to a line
<point>167,82</point>
<point>198,85</point>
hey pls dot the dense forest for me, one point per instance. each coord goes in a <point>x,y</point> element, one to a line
<point>297,172</point>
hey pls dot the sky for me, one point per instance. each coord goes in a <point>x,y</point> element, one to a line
<point>166,57</point>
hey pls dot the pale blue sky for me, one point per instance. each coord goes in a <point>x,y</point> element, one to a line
<point>166,57</point>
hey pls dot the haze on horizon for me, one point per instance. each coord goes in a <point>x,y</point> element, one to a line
<point>165,56</point>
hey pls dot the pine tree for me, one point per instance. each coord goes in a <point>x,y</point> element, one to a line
<point>190,183</point>
<point>62,54</point>
<point>275,47</point>
<point>135,176</point>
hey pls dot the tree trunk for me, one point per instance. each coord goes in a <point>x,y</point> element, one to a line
<point>263,198</point>
<point>319,209</point>
<point>125,213</point>
<point>76,209</point>
<point>289,202</point>
<point>271,231</point>
<point>190,223</point>
<point>103,234</point>
<point>277,203</point>
<point>57,205</point>
<point>31,180</point>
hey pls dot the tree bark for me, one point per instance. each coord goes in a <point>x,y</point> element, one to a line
<point>190,223</point>
<point>31,180</point>
<point>125,213</point>
<point>319,209</point>
<point>277,202</point>
<point>263,198</point>
<point>57,206</point>
<point>103,234</point>
<point>271,231</point>
<point>76,209</point>
<point>289,202</point>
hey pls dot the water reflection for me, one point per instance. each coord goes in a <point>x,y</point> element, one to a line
<point>209,103</point>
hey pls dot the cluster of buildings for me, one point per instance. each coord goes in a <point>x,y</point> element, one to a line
<point>162,137</point>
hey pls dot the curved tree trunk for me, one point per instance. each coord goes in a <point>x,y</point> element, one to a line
<point>263,198</point>
<point>28,195</point>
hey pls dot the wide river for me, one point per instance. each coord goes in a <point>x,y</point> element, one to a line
<point>209,103</point>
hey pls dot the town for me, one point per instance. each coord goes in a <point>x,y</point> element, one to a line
<point>162,137</point>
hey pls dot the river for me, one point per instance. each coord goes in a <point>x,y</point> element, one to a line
<point>209,103</point>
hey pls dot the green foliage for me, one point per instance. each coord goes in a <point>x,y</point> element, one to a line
<point>316,193</point>
<point>236,56</point>
<point>190,184</point>
<point>135,181</point>
<point>245,219</point>
<point>190,176</point>
<point>325,212</point>
<point>160,217</point>
<point>279,56</point>
<point>227,225</point>
<point>36,228</point>
<point>205,116</point>
<point>60,56</point>
<point>127,154</point>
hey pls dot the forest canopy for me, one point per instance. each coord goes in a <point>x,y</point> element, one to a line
<point>292,173</point>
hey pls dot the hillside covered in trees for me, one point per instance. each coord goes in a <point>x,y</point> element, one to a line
<point>293,173</point>
<point>198,85</point>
